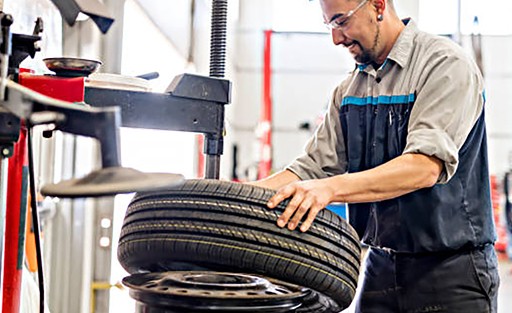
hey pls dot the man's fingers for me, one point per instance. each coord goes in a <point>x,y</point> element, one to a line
<point>303,201</point>
<point>300,211</point>
<point>280,195</point>
<point>290,209</point>
<point>313,212</point>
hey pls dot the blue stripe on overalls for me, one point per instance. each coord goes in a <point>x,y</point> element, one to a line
<point>379,100</point>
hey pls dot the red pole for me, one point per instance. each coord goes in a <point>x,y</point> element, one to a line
<point>200,156</point>
<point>501,241</point>
<point>265,126</point>
<point>15,225</point>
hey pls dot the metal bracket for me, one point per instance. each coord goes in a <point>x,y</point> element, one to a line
<point>193,104</point>
<point>9,133</point>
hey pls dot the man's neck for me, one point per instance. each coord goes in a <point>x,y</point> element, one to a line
<point>390,31</point>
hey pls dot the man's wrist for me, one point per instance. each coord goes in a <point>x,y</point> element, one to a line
<point>338,184</point>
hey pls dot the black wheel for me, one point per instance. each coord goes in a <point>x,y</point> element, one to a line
<point>201,292</point>
<point>224,226</point>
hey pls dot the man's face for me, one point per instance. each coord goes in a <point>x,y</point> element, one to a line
<point>360,33</point>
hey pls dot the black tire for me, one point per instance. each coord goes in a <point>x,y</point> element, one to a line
<point>225,226</point>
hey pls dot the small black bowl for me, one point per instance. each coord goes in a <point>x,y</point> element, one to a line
<point>71,67</point>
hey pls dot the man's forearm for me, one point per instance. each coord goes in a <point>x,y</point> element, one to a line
<point>397,177</point>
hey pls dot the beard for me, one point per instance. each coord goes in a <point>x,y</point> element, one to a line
<point>364,56</point>
<point>367,55</point>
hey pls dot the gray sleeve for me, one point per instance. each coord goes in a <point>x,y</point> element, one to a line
<point>446,109</point>
<point>325,152</point>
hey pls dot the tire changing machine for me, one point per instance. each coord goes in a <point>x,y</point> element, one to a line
<point>196,104</point>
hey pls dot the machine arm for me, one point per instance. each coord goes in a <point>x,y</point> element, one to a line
<point>99,123</point>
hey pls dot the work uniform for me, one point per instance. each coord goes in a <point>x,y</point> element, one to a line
<point>430,250</point>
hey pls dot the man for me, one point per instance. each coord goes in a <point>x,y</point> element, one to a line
<point>404,144</point>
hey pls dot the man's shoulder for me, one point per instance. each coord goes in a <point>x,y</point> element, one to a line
<point>439,48</point>
<point>433,43</point>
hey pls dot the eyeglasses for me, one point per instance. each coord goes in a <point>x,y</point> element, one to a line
<point>339,21</point>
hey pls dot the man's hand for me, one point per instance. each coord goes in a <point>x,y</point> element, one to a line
<point>310,196</point>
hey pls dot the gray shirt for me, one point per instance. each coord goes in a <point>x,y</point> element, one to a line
<point>449,98</point>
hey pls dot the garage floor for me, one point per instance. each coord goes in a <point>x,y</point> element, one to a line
<point>505,292</point>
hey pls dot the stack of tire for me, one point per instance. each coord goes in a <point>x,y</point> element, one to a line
<point>224,226</point>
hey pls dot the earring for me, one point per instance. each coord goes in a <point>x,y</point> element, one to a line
<point>380,18</point>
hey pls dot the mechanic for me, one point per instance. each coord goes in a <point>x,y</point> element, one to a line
<point>404,145</point>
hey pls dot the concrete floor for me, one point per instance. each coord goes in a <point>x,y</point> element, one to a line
<point>505,291</point>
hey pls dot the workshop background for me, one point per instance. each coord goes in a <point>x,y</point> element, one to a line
<point>287,38</point>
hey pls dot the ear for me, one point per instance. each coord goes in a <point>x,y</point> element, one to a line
<point>379,5</point>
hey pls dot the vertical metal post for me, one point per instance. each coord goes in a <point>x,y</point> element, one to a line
<point>213,145</point>
<point>218,38</point>
<point>5,23</point>
<point>16,206</point>
<point>4,66</point>
<point>4,165</point>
